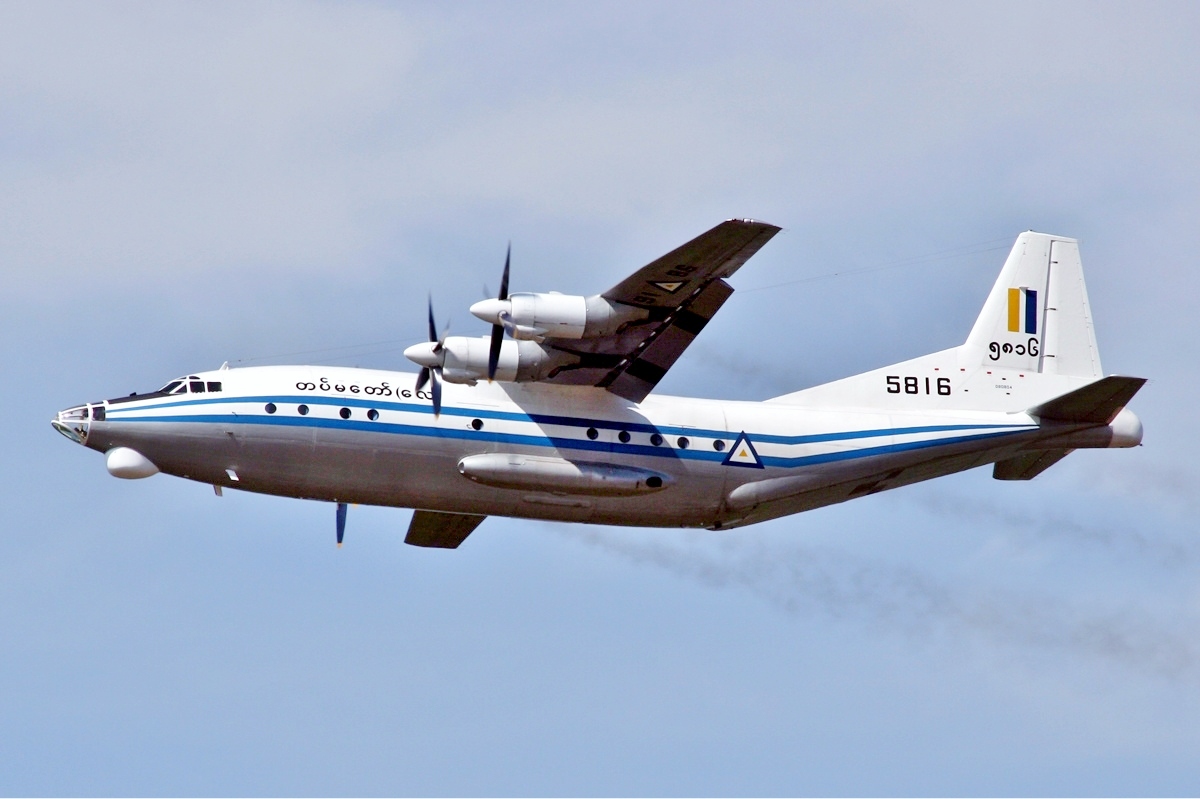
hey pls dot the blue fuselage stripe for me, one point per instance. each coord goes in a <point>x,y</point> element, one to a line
<point>129,415</point>
<point>563,421</point>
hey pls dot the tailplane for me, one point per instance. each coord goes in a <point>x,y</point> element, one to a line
<point>1095,403</point>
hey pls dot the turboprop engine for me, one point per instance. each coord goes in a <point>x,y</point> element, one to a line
<point>463,359</point>
<point>535,317</point>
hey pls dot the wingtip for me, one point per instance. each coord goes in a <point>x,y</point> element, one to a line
<point>753,222</point>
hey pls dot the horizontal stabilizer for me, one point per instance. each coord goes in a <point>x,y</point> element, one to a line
<point>1029,465</point>
<point>1095,403</point>
<point>441,530</point>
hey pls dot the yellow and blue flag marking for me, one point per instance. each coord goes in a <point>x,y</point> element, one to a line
<point>1016,299</point>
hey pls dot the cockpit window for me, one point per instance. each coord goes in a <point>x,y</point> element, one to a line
<point>190,383</point>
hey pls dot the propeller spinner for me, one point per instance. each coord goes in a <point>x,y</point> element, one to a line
<point>431,357</point>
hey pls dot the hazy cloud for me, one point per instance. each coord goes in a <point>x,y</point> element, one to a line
<point>1021,523</point>
<point>809,581</point>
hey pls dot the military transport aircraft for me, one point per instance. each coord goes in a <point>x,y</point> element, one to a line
<point>552,416</point>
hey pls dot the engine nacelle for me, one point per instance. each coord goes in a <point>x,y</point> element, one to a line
<point>465,360</point>
<point>534,317</point>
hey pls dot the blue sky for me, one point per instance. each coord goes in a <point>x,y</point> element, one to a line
<point>182,185</point>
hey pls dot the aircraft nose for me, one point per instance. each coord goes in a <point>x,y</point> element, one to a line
<point>73,423</point>
<point>489,310</point>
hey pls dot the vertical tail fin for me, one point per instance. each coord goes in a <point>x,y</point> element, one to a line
<point>1037,318</point>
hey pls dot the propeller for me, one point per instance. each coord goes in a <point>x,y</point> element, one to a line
<point>430,359</point>
<point>341,522</point>
<point>498,329</point>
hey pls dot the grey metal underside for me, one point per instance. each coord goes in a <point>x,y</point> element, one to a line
<point>405,471</point>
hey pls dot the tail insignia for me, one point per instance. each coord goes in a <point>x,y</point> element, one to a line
<point>1016,299</point>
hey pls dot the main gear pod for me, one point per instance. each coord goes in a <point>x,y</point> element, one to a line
<point>557,475</point>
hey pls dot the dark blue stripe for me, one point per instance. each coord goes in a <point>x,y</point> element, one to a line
<point>564,421</point>
<point>1031,309</point>
<point>555,441</point>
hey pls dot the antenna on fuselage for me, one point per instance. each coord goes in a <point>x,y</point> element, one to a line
<point>341,522</point>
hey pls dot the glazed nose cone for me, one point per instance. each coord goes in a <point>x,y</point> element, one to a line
<point>73,423</point>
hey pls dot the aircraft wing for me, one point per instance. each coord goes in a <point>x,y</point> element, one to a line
<point>681,291</point>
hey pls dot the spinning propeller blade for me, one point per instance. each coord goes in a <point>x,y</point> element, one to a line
<point>432,325</point>
<point>494,352</point>
<point>428,373</point>
<point>498,330</point>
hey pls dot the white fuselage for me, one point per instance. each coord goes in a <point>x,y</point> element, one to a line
<point>364,436</point>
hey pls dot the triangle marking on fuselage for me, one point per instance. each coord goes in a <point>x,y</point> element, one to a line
<point>742,453</point>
